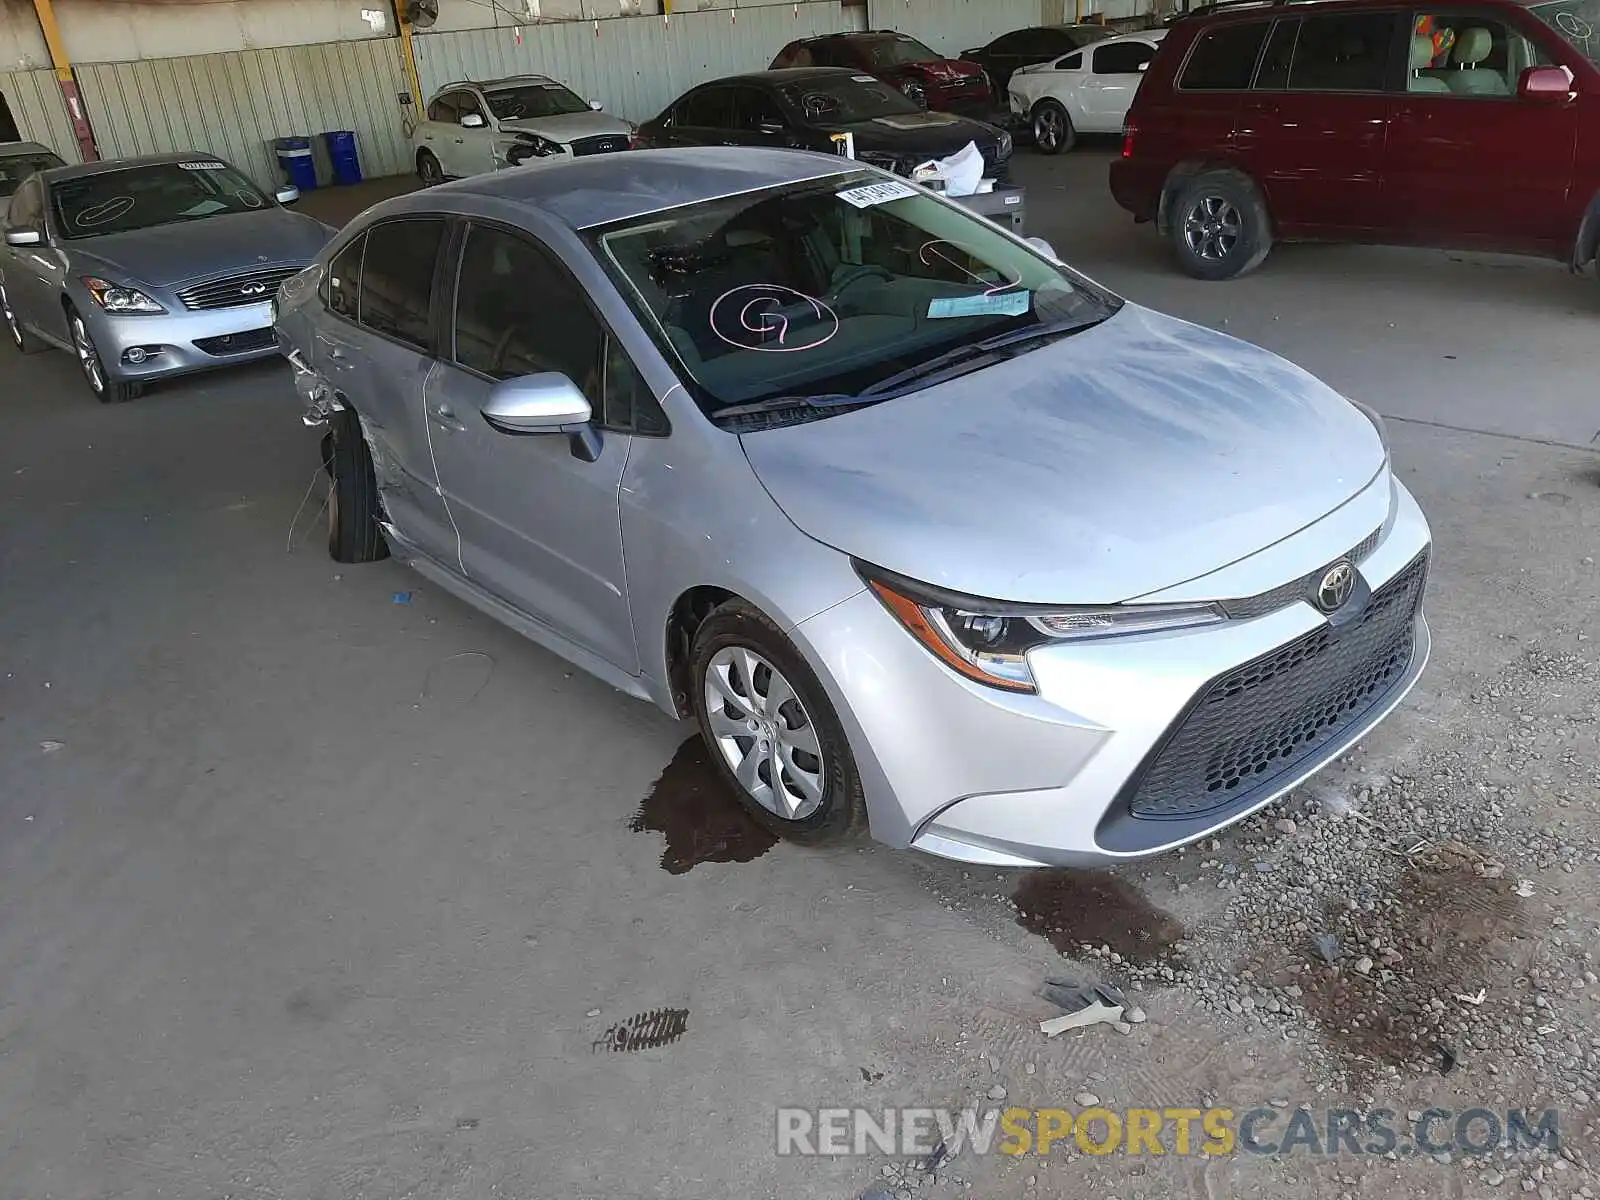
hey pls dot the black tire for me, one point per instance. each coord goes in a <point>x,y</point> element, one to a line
<point>24,341</point>
<point>106,388</point>
<point>353,508</point>
<point>1219,225</point>
<point>842,811</point>
<point>428,169</point>
<point>1053,132</point>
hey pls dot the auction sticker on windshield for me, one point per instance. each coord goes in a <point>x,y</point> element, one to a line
<point>203,166</point>
<point>1005,304</point>
<point>876,193</point>
<point>863,79</point>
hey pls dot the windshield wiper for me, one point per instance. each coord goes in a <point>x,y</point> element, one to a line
<point>799,403</point>
<point>975,354</point>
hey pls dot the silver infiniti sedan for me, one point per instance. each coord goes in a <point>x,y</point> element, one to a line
<point>927,531</point>
<point>149,267</point>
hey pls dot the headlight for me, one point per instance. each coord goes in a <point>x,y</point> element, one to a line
<point>989,640</point>
<point>115,298</point>
<point>1005,144</point>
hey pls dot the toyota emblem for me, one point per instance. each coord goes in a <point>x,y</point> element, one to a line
<point>1336,587</point>
<point>252,289</point>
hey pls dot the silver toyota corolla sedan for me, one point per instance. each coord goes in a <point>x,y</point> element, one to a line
<point>149,267</point>
<point>923,528</point>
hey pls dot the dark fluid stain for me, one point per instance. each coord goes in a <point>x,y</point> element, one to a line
<point>658,1027</point>
<point>870,1076</point>
<point>1074,908</point>
<point>1453,928</point>
<point>466,1122</point>
<point>692,805</point>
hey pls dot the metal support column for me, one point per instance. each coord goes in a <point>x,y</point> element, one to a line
<point>65,79</point>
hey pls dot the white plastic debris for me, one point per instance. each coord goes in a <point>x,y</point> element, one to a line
<point>50,746</point>
<point>1094,1014</point>
<point>960,174</point>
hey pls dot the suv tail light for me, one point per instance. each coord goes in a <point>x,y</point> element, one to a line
<point>1130,130</point>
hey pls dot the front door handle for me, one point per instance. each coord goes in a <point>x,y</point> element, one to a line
<point>445,418</point>
<point>461,141</point>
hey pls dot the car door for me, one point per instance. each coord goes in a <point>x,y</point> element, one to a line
<point>706,117</point>
<point>474,145</point>
<point>1312,130</point>
<point>759,121</point>
<point>1115,70</point>
<point>439,131</point>
<point>376,347</point>
<point>540,525</point>
<point>1468,161</point>
<point>32,274</point>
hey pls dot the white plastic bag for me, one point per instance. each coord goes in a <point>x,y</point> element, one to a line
<point>960,173</point>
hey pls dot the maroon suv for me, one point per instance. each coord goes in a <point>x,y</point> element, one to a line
<point>1473,125</point>
<point>922,75</point>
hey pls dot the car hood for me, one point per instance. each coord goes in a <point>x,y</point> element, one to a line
<point>920,133</point>
<point>567,128</point>
<point>1123,460</point>
<point>169,254</point>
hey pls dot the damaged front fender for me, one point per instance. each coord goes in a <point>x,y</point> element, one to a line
<point>315,392</point>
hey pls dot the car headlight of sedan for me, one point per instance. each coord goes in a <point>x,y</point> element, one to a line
<point>989,640</point>
<point>1005,144</point>
<point>115,298</point>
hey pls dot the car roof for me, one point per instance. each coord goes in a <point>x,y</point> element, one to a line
<point>1142,35</point>
<point>105,167</point>
<point>17,149</point>
<point>1223,9</point>
<point>779,75</point>
<point>856,35</point>
<point>601,188</point>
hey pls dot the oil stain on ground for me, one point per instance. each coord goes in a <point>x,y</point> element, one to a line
<point>702,821</point>
<point>1076,908</point>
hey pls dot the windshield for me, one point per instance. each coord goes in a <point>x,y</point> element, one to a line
<point>531,100</point>
<point>831,286</point>
<point>897,51</point>
<point>841,99</point>
<point>1576,20</point>
<point>143,197</point>
<point>14,168</point>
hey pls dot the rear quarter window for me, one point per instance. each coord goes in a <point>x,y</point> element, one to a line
<point>1223,58</point>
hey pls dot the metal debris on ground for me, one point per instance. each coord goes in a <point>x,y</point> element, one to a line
<point>1447,1058</point>
<point>1099,1012</point>
<point>645,1031</point>
<point>50,747</point>
<point>940,1156</point>
<point>1327,947</point>
<point>1483,994</point>
<point>1524,888</point>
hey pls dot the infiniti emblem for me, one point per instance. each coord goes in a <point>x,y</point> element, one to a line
<point>252,289</point>
<point>1336,587</point>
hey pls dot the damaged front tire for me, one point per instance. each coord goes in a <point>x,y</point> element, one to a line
<point>353,508</point>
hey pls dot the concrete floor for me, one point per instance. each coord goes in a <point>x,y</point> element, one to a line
<point>325,895</point>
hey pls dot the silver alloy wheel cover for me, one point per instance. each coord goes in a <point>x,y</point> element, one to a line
<point>1212,228</point>
<point>11,318</point>
<point>754,729</point>
<point>88,356</point>
<point>915,92</point>
<point>1047,129</point>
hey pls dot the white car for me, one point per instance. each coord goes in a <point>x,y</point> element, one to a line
<point>474,128</point>
<point>1087,91</point>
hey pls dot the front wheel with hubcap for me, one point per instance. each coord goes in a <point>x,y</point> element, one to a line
<point>106,389</point>
<point>429,170</point>
<point>24,341</point>
<point>1219,225</point>
<point>1052,128</point>
<point>772,732</point>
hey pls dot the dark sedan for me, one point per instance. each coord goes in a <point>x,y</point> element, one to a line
<point>810,108</point>
<point>1024,47</point>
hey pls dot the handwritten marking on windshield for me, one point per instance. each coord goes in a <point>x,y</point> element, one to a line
<point>759,312</point>
<point>103,213</point>
<point>933,249</point>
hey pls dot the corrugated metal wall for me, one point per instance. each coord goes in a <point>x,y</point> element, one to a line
<point>636,65</point>
<point>951,26</point>
<point>233,105</point>
<point>39,111</point>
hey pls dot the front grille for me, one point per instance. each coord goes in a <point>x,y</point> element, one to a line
<point>1304,588</point>
<point>1258,722</point>
<point>608,143</point>
<point>251,287</point>
<point>238,343</point>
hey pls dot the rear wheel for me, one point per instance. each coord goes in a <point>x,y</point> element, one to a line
<point>772,732</point>
<point>1219,225</point>
<point>353,533</point>
<point>107,389</point>
<point>1052,128</point>
<point>428,169</point>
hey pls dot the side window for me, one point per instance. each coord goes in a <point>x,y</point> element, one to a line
<point>710,108</point>
<point>1013,43</point>
<point>1224,58</point>
<point>1346,52</point>
<point>1472,55</point>
<point>1122,58</point>
<point>27,206</point>
<point>397,279</point>
<point>1071,62</point>
<point>756,108</point>
<point>630,405</point>
<point>341,285</point>
<point>444,109</point>
<point>518,312</point>
<point>1273,74</point>
<point>466,103</point>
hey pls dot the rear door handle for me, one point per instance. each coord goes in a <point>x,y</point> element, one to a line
<point>445,418</point>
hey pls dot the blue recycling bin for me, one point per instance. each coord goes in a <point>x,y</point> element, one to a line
<point>341,144</point>
<point>294,158</point>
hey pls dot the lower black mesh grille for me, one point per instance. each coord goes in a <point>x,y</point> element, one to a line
<point>1260,721</point>
<point>607,143</point>
<point>238,343</point>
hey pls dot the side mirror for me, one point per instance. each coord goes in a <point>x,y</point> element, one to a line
<point>1144,66</point>
<point>1043,247</point>
<point>548,402</point>
<point>286,195</point>
<point>473,121</point>
<point>23,235</point>
<point>1545,85</point>
<point>597,105</point>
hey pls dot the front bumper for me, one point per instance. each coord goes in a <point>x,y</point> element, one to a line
<point>182,342</point>
<point>971,773</point>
